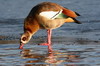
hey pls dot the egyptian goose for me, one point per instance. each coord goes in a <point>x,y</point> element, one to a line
<point>46,15</point>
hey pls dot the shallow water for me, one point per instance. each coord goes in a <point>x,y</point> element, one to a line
<point>73,44</point>
<point>64,54</point>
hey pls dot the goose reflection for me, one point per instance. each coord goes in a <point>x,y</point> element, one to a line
<point>54,58</point>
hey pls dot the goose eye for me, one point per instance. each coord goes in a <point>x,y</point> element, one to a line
<point>24,38</point>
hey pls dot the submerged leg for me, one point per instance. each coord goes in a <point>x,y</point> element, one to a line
<point>49,32</point>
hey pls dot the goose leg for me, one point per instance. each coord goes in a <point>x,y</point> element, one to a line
<point>49,40</point>
<point>49,31</point>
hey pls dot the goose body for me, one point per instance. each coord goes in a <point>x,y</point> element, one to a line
<point>46,15</point>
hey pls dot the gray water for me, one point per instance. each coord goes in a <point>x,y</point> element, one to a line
<point>73,44</point>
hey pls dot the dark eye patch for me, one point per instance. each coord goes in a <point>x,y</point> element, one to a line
<point>24,38</point>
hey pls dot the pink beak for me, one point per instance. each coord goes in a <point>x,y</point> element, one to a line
<point>21,46</point>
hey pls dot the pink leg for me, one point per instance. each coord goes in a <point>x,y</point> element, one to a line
<point>49,31</point>
<point>49,40</point>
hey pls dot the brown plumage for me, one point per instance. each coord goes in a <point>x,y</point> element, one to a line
<point>37,20</point>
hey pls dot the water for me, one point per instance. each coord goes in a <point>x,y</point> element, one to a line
<point>63,55</point>
<point>73,44</point>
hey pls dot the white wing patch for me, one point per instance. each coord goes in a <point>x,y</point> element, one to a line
<point>50,14</point>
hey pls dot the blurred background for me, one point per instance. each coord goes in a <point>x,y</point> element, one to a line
<point>12,9</point>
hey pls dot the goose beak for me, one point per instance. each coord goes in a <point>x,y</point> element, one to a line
<point>21,45</point>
